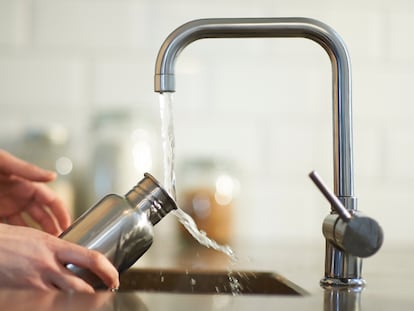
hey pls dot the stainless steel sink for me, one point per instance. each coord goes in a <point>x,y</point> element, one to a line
<point>208,282</point>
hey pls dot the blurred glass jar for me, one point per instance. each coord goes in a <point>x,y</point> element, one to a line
<point>48,147</point>
<point>123,149</point>
<point>208,190</point>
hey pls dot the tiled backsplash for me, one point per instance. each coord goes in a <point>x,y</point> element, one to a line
<point>265,104</point>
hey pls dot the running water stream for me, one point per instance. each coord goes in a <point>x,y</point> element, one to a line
<point>168,142</point>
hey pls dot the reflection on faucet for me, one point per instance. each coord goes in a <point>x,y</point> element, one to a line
<point>342,299</point>
<point>341,268</point>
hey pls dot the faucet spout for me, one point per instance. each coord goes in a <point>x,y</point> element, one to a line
<point>339,265</point>
<point>277,28</point>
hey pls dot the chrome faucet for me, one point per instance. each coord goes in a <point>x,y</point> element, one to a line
<point>342,268</point>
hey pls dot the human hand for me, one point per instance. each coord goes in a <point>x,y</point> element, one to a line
<point>23,189</point>
<point>30,258</point>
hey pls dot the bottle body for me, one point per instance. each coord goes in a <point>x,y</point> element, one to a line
<point>120,227</point>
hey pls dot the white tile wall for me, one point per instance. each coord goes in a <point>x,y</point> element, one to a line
<point>26,80</point>
<point>14,22</point>
<point>266,104</point>
<point>90,24</point>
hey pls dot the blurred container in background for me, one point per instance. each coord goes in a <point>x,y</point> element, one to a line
<point>49,147</point>
<point>123,148</point>
<point>208,190</point>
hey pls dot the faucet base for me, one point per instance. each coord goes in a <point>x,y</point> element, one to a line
<point>329,282</point>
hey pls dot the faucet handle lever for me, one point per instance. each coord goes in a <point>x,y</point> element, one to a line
<point>354,233</point>
<point>332,198</point>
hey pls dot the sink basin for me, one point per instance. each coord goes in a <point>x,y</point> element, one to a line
<point>208,282</point>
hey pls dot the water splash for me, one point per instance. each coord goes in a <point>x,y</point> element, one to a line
<point>188,222</point>
<point>168,143</point>
<point>235,286</point>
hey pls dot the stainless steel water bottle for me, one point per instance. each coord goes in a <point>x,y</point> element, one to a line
<point>120,227</point>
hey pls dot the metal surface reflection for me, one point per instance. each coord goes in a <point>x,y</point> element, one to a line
<point>23,300</point>
<point>342,299</point>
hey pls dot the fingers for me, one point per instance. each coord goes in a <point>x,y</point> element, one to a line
<point>16,220</point>
<point>27,178</point>
<point>44,219</point>
<point>57,218</point>
<point>68,282</point>
<point>10,165</point>
<point>38,200</point>
<point>46,209</point>
<point>51,216</point>
<point>92,260</point>
<point>59,212</point>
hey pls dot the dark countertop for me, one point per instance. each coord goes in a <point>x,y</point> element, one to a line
<point>387,273</point>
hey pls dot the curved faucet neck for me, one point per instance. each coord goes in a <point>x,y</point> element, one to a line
<point>312,29</point>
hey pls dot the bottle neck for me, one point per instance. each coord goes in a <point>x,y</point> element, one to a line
<point>150,198</point>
